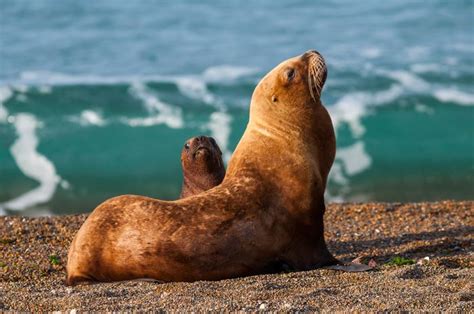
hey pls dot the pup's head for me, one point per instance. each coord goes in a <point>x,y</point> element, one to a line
<point>201,159</point>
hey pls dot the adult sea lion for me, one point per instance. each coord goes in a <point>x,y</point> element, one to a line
<point>269,208</point>
<point>202,164</point>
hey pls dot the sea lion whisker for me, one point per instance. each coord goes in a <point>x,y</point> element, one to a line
<point>310,83</point>
<point>314,81</point>
<point>317,69</point>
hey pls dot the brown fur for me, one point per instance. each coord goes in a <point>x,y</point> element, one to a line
<point>268,209</point>
<point>203,168</point>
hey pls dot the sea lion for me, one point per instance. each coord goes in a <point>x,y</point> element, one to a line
<point>269,208</point>
<point>202,164</point>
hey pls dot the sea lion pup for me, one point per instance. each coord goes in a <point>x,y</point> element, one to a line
<point>203,168</point>
<point>269,208</point>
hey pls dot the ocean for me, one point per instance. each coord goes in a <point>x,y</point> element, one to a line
<point>97,98</point>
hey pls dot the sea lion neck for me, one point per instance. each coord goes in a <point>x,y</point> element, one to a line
<point>195,184</point>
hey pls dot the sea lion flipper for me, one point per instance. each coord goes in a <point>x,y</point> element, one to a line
<point>350,267</point>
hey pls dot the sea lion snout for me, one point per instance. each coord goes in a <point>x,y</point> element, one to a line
<point>309,53</point>
<point>317,72</point>
<point>201,145</point>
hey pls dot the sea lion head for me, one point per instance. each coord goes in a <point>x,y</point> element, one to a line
<point>201,160</point>
<point>291,89</point>
<point>287,115</point>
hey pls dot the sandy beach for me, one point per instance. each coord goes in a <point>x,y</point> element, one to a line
<point>423,251</point>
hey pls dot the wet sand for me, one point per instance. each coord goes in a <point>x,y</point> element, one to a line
<point>423,251</point>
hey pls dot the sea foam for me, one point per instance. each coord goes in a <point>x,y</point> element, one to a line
<point>195,87</point>
<point>221,73</point>
<point>349,161</point>
<point>32,164</point>
<point>160,112</point>
<point>227,73</point>
<point>5,94</point>
<point>354,158</point>
<point>90,117</point>
<point>219,125</point>
<point>455,96</point>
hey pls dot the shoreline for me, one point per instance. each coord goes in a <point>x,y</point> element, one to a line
<point>423,251</point>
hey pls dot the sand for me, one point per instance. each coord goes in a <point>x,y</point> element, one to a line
<point>435,240</point>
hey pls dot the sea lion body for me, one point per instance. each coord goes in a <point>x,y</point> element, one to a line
<point>268,209</point>
<point>202,165</point>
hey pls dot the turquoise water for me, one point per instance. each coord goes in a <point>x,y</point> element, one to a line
<point>97,99</point>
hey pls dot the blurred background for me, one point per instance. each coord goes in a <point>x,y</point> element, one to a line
<point>97,98</point>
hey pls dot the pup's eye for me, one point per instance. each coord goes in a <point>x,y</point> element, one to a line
<point>186,145</point>
<point>290,74</point>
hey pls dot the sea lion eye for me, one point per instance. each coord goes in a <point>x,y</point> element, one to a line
<point>186,145</point>
<point>290,74</point>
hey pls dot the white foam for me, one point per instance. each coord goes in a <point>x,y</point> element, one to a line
<point>417,52</point>
<point>454,95</point>
<point>32,164</point>
<point>21,88</point>
<point>423,109</point>
<point>90,117</point>
<point>408,80</point>
<point>151,121</point>
<point>42,78</point>
<point>219,125</point>
<point>5,94</point>
<point>349,109</point>
<point>371,52</point>
<point>354,158</point>
<point>337,174</point>
<point>47,78</point>
<point>227,73</point>
<point>451,60</point>
<point>349,161</point>
<point>426,68</point>
<point>196,88</point>
<point>44,89</point>
<point>160,112</point>
<point>385,96</point>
